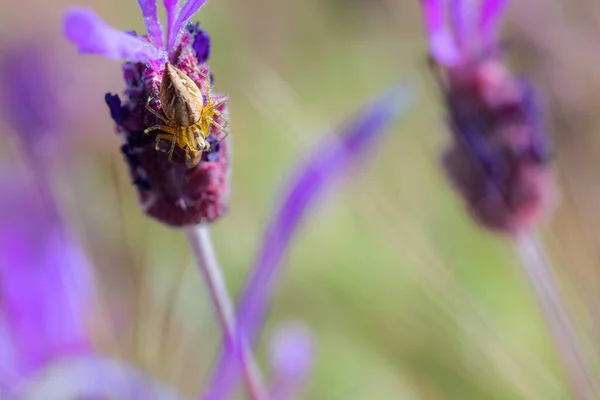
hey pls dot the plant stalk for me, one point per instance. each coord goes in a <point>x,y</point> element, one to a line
<point>544,283</point>
<point>202,247</point>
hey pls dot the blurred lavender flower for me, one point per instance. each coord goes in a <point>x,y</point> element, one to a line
<point>45,285</point>
<point>309,182</point>
<point>498,159</point>
<point>500,154</point>
<point>172,191</point>
<point>30,98</point>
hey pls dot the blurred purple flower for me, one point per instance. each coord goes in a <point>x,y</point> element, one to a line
<point>499,156</point>
<point>30,100</point>
<point>172,191</point>
<point>45,285</point>
<point>325,165</point>
<point>291,353</point>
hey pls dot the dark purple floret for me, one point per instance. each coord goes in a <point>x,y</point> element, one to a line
<point>117,112</point>
<point>201,43</point>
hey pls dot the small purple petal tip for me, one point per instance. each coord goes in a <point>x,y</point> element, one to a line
<point>187,11</point>
<point>171,9</point>
<point>291,351</point>
<point>85,28</point>
<point>151,19</point>
<point>442,42</point>
<point>433,11</point>
<point>444,48</point>
<point>457,19</point>
<point>491,14</point>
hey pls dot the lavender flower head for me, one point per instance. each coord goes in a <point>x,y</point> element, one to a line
<point>170,189</point>
<point>500,151</point>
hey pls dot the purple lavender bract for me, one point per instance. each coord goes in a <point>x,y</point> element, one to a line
<point>170,191</point>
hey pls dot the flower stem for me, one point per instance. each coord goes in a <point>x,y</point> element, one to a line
<point>201,243</point>
<point>543,281</point>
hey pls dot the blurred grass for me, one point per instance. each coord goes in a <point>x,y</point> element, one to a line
<point>407,299</point>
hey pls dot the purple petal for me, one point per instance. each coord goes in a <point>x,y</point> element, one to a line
<point>292,357</point>
<point>152,24</point>
<point>442,43</point>
<point>171,7</point>
<point>93,36</point>
<point>433,12</point>
<point>45,283</point>
<point>9,357</point>
<point>457,17</point>
<point>187,11</point>
<point>489,20</point>
<point>443,48</point>
<point>327,163</point>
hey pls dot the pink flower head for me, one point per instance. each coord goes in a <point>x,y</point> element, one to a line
<point>170,189</point>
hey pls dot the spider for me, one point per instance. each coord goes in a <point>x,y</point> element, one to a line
<point>188,114</point>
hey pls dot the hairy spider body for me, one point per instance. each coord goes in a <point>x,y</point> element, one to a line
<point>188,114</point>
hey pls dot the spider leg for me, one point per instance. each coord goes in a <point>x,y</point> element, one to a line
<point>163,128</point>
<point>172,147</point>
<point>207,77</point>
<point>192,162</point>
<point>223,138</point>
<point>163,136</point>
<point>203,74</point>
<point>219,114</point>
<point>213,123</point>
<point>222,100</point>
<point>156,114</point>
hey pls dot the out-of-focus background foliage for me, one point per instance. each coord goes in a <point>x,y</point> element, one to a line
<point>406,297</point>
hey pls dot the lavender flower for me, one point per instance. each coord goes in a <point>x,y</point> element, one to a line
<point>499,158</point>
<point>170,188</point>
<point>45,286</point>
<point>500,151</point>
<point>310,181</point>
